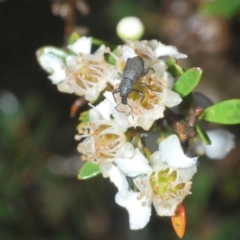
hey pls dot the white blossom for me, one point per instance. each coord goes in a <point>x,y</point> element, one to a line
<point>165,182</point>
<point>134,166</point>
<point>155,86</point>
<point>101,138</point>
<point>84,74</point>
<point>139,210</point>
<point>82,46</point>
<point>53,65</point>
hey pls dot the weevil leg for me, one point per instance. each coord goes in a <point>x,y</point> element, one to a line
<point>117,107</point>
<point>141,94</point>
<point>122,111</point>
<point>145,70</point>
<point>117,90</point>
<point>131,111</point>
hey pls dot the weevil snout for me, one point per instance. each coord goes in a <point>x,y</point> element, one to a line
<point>124,100</point>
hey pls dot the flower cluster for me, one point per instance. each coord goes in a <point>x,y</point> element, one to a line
<point>112,134</point>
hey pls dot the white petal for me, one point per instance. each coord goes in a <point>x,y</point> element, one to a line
<point>170,97</point>
<point>128,52</point>
<point>146,120</point>
<point>71,62</point>
<point>64,87</point>
<point>100,52</point>
<point>118,179</point>
<point>119,117</point>
<point>53,65</point>
<point>134,166</point>
<point>105,109</point>
<point>222,143</point>
<point>153,44</point>
<point>166,207</point>
<point>82,45</point>
<point>164,50</point>
<point>139,210</point>
<point>170,81</point>
<point>94,115</point>
<point>171,153</point>
<point>127,151</point>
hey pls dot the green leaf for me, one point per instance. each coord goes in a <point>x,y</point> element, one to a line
<point>88,170</point>
<point>99,42</point>
<point>223,8</point>
<point>226,112</point>
<point>110,59</point>
<point>84,117</point>
<point>73,38</point>
<point>203,135</point>
<point>188,81</point>
<point>174,68</point>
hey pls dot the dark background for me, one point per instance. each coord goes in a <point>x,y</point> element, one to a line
<point>40,197</point>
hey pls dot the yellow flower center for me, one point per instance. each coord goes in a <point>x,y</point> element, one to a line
<point>164,184</point>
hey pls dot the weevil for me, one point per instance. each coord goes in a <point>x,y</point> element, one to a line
<point>133,70</point>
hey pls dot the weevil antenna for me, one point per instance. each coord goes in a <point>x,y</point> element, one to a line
<point>123,111</point>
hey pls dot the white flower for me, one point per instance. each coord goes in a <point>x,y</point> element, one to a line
<point>116,176</point>
<point>171,153</point>
<point>52,64</point>
<point>82,46</point>
<point>139,210</point>
<point>101,138</point>
<point>138,207</point>
<point>157,96</point>
<point>152,92</point>
<point>222,142</point>
<point>84,74</point>
<point>133,166</point>
<point>164,50</point>
<point>172,164</point>
<point>154,49</point>
<point>165,182</point>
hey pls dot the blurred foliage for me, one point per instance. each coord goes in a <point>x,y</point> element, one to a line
<point>35,203</point>
<point>223,8</point>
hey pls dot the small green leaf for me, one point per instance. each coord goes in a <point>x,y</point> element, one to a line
<point>99,42</point>
<point>226,112</point>
<point>88,170</point>
<point>110,59</point>
<point>73,38</point>
<point>203,135</point>
<point>84,117</point>
<point>188,81</point>
<point>174,68</point>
